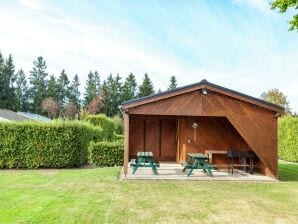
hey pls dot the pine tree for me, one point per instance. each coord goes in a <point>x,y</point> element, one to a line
<point>116,98</point>
<point>129,88</point>
<point>38,82</point>
<point>52,88</point>
<point>7,79</point>
<point>173,83</point>
<point>90,89</point>
<point>97,82</point>
<point>62,89</point>
<point>3,84</point>
<point>112,95</point>
<point>74,91</point>
<point>105,92</point>
<point>146,88</point>
<point>21,91</point>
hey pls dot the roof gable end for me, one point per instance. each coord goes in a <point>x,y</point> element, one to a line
<point>204,84</point>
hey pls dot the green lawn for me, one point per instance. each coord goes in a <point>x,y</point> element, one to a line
<point>97,196</point>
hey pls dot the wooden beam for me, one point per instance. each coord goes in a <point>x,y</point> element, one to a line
<point>126,142</point>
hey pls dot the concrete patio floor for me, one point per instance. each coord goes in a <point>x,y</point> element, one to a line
<point>173,171</point>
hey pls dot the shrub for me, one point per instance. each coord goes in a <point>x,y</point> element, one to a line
<point>52,145</point>
<point>288,138</point>
<point>119,138</point>
<point>118,123</point>
<point>105,123</point>
<point>106,153</point>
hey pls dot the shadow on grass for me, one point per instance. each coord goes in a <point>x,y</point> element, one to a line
<point>288,171</point>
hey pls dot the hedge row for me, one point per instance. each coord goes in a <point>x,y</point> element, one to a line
<point>288,138</point>
<point>119,138</point>
<point>52,145</point>
<point>106,153</point>
<point>105,123</point>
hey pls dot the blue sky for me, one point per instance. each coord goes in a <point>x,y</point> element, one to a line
<point>240,44</point>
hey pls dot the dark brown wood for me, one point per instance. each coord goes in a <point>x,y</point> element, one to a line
<point>136,136</point>
<point>188,104</point>
<point>258,127</point>
<point>198,88</point>
<point>152,137</point>
<point>156,135</point>
<point>225,122</point>
<point>168,138</point>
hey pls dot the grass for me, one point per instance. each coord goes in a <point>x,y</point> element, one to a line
<point>97,196</point>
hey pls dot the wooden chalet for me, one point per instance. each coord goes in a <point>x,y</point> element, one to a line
<point>199,117</point>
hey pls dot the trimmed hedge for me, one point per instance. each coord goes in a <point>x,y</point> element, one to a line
<point>105,123</point>
<point>51,145</point>
<point>119,138</point>
<point>106,153</point>
<point>288,138</point>
<point>118,123</point>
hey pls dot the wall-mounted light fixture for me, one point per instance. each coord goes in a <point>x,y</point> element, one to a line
<point>204,91</point>
<point>195,126</point>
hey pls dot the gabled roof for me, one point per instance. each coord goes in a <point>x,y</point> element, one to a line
<point>12,116</point>
<point>204,84</point>
<point>35,117</point>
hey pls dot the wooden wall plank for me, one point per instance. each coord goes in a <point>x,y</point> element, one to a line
<point>168,138</point>
<point>136,136</point>
<point>257,127</point>
<point>152,139</point>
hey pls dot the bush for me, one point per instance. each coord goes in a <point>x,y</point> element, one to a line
<point>51,145</point>
<point>118,123</point>
<point>288,138</point>
<point>106,153</point>
<point>105,123</point>
<point>119,138</point>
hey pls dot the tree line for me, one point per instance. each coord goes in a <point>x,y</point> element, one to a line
<point>41,93</point>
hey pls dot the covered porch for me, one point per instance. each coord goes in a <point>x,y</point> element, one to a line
<point>205,119</point>
<point>172,138</point>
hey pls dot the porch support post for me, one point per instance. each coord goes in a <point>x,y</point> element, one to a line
<point>126,142</point>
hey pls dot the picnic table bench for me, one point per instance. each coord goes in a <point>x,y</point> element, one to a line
<point>144,159</point>
<point>197,161</point>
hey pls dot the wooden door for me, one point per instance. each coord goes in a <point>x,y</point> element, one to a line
<point>168,143</point>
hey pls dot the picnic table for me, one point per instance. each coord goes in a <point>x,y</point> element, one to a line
<point>144,159</point>
<point>197,161</point>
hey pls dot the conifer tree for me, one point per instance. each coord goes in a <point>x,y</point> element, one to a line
<point>146,88</point>
<point>97,82</point>
<point>74,91</point>
<point>38,83</point>
<point>129,88</point>
<point>111,94</point>
<point>21,92</point>
<point>90,89</point>
<point>52,88</point>
<point>7,79</point>
<point>63,89</point>
<point>173,83</point>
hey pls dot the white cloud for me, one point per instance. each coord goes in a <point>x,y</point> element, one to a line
<point>31,4</point>
<point>261,5</point>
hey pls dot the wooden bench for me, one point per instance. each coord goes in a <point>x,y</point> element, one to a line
<point>197,161</point>
<point>145,159</point>
<point>133,163</point>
